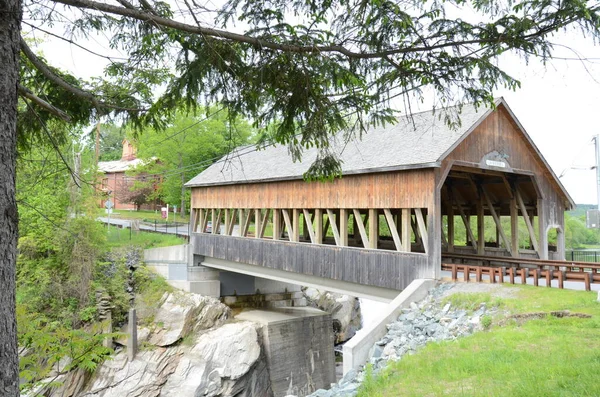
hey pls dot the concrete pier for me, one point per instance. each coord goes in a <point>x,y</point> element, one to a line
<point>298,344</point>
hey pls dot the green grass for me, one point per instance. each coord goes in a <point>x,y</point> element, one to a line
<point>121,237</point>
<point>472,301</point>
<point>543,357</point>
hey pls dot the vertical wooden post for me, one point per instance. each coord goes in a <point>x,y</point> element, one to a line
<point>213,220</point>
<point>227,220</point>
<point>257,222</point>
<point>199,216</point>
<point>480,227</point>
<point>406,229</point>
<point>132,337</point>
<point>450,219</point>
<point>295,225</point>
<point>276,224</point>
<point>514,227</point>
<point>318,226</point>
<point>542,237</point>
<point>373,227</point>
<point>344,227</point>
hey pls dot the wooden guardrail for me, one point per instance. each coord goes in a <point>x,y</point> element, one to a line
<point>495,267</point>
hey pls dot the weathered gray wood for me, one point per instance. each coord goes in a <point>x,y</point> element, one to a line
<point>373,228</point>
<point>496,219</point>
<point>246,224</point>
<point>288,224</point>
<point>450,218</point>
<point>393,229</point>
<point>257,222</point>
<point>480,227</point>
<point>519,198</point>
<point>296,224</point>
<point>514,226</point>
<point>308,225</point>
<point>343,227</point>
<point>361,228</point>
<point>204,223</point>
<point>197,218</point>
<point>416,231</point>
<point>318,226</point>
<point>422,228</point>
<point>331,221</point>
<point>406,240</point>
<point>263,223</point>
<point>381,268</point>
<point>276,224</point>
<point>455,197</point>
<point>227,220</point>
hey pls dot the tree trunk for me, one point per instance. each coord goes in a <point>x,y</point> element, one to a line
<point>10,19</point>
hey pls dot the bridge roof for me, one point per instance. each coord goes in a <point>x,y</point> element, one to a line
<point>419,141</point>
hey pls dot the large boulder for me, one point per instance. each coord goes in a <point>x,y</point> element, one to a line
<point>344,310</point>
<point>181,314</point>
<point>226,361</point>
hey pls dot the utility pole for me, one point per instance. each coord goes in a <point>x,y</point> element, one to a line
<point>597,142</point>
<point>97,142</point>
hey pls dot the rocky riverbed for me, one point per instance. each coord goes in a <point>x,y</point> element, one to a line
<point>427,321</point>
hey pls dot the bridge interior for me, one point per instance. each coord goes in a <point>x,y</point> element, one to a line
<point>491,213</point>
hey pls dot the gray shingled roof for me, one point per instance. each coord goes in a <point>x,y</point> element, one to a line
<point>415,142</point>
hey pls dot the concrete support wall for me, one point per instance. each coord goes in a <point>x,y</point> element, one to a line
<point>176,264</point>
<point>298,344</point>
<point>356,350</point>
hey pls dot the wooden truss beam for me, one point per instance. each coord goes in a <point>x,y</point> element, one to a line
<point>527,219</point>
<point>333,224</point>
<point>496,219</point>
<point>455,197</point>
<point>422,229</point>
<point>393,229</point>
<point>309,226</point>
<point>361,228</point>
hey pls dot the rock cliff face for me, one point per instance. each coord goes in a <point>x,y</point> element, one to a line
<point>191,351</point>
<point>344,309</point>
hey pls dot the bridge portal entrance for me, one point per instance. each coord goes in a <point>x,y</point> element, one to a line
<point>491,213</point>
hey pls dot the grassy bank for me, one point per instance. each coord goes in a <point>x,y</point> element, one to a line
<point>546,356</point>
<point>123,237</point>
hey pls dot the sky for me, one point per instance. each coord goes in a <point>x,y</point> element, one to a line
<point>558,103</point>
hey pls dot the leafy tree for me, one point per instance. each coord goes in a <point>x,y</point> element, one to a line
<point>304,77</point>
<point>139,190</point>
<point>111,142</point>
<point>187,146</point>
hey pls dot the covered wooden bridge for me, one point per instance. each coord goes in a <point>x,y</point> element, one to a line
<point>409,192</point>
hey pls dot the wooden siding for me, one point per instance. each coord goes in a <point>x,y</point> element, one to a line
<point>386,269</point>
<point>498,132</point>
<point>400,189</point>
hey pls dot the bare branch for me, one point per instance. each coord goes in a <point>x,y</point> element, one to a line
<point>26,93</point>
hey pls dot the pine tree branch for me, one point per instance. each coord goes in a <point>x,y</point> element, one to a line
<point>59,81</point>
<point>145,16</point>
<point>26,93</point>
